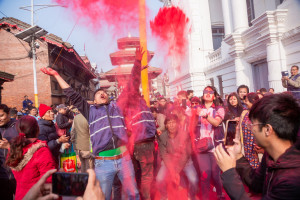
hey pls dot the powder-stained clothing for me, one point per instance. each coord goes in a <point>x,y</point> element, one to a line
<point>207,129</point>
<point>36,162</point>
<point>100,117</point>
<point>175,152</point>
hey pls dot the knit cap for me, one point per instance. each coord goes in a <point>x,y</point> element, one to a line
<point>43,109</point>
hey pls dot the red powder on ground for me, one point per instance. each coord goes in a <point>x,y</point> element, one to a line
<point>171,27</point>
<point>116,14</point>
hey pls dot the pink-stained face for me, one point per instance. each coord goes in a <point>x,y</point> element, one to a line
<point>233,101</point>
<point>208,95</point>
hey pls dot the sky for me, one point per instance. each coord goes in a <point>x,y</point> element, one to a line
<point>96,44</point>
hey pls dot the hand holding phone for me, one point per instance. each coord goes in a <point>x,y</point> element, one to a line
<point>230,132</point>
<point>69,184</point>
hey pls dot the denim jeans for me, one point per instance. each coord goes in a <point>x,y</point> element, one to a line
<point>190,173</point>
<point>106,170</point>
<point>209,170</point>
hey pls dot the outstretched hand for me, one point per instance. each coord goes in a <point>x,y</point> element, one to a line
<point>139,52</point>
<point>49,71</point>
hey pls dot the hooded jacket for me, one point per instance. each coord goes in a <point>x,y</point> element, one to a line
<point>275,180</point>
<point>37,160</point>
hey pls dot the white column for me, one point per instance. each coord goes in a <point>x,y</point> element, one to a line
<point>227,16</point>
<point>243,73</point>
<point>276,63</point>
<point>239,15</point>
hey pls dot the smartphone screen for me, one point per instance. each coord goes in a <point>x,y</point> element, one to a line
<point>230,135</point>
<point>69,184</point>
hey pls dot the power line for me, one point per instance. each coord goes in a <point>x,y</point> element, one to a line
<point>3,13</point>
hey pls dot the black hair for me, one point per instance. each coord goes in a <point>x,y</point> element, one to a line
<point>99,89</point>
<point>31,108</point>
<point>263,90</point>
<point>189,92</point>
<point>5,108</point>
<point>216,100</point>
<point>13,112</point>
<point>295,66</point>
<point>239,105</point>
<point>252,97</point>
<point>171,117</point>
<point>153,109</point>
<point>281,111</point>
<point>242,86</point>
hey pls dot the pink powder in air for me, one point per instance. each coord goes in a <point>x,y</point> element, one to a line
<point>118,15</point>
<point>171,27</point>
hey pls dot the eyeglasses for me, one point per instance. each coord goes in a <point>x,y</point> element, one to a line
<point>208,92</point>
<point>250,125</point>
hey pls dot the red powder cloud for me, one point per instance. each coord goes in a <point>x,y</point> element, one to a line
<point>171,27</point>
<point>118,15</point>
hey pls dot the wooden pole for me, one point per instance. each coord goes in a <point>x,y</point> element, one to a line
<point>143,44</point>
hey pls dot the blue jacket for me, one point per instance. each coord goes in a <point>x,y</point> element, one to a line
<point>100,130</point>
<point>139,119</point>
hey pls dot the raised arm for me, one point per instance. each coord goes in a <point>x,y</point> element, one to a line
<point>51,72</point>
<point>76,99</point>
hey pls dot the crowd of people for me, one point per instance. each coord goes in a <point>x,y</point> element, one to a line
<point>172,149</point>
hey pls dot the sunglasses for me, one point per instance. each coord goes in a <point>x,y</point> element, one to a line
<point>208,92</point>
<point>195,103</point>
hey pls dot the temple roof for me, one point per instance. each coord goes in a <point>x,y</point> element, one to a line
<point>128,42</point>
<point>153,72</point>
<point>126,57</point>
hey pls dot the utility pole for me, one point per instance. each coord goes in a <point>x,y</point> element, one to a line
<point>143,44</point>
<point>36,99</point>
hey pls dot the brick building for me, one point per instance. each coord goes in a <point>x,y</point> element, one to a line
<point>15,58</point>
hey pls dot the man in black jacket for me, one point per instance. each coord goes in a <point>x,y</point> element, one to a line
<point>8,132</point>
<point>275,123</point>
<point>62,120</point>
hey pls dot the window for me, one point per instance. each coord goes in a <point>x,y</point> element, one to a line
<point>55,84</point>
<point>220,85</point>
<point>212,83</point>
<point>250,11</point>
<point>217,35</point>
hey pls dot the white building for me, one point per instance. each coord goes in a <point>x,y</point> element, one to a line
<point>236,42</point>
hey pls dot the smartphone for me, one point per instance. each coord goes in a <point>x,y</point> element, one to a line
<point>69,184</point>
<point>230,132</point>
<point>284,73</point>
